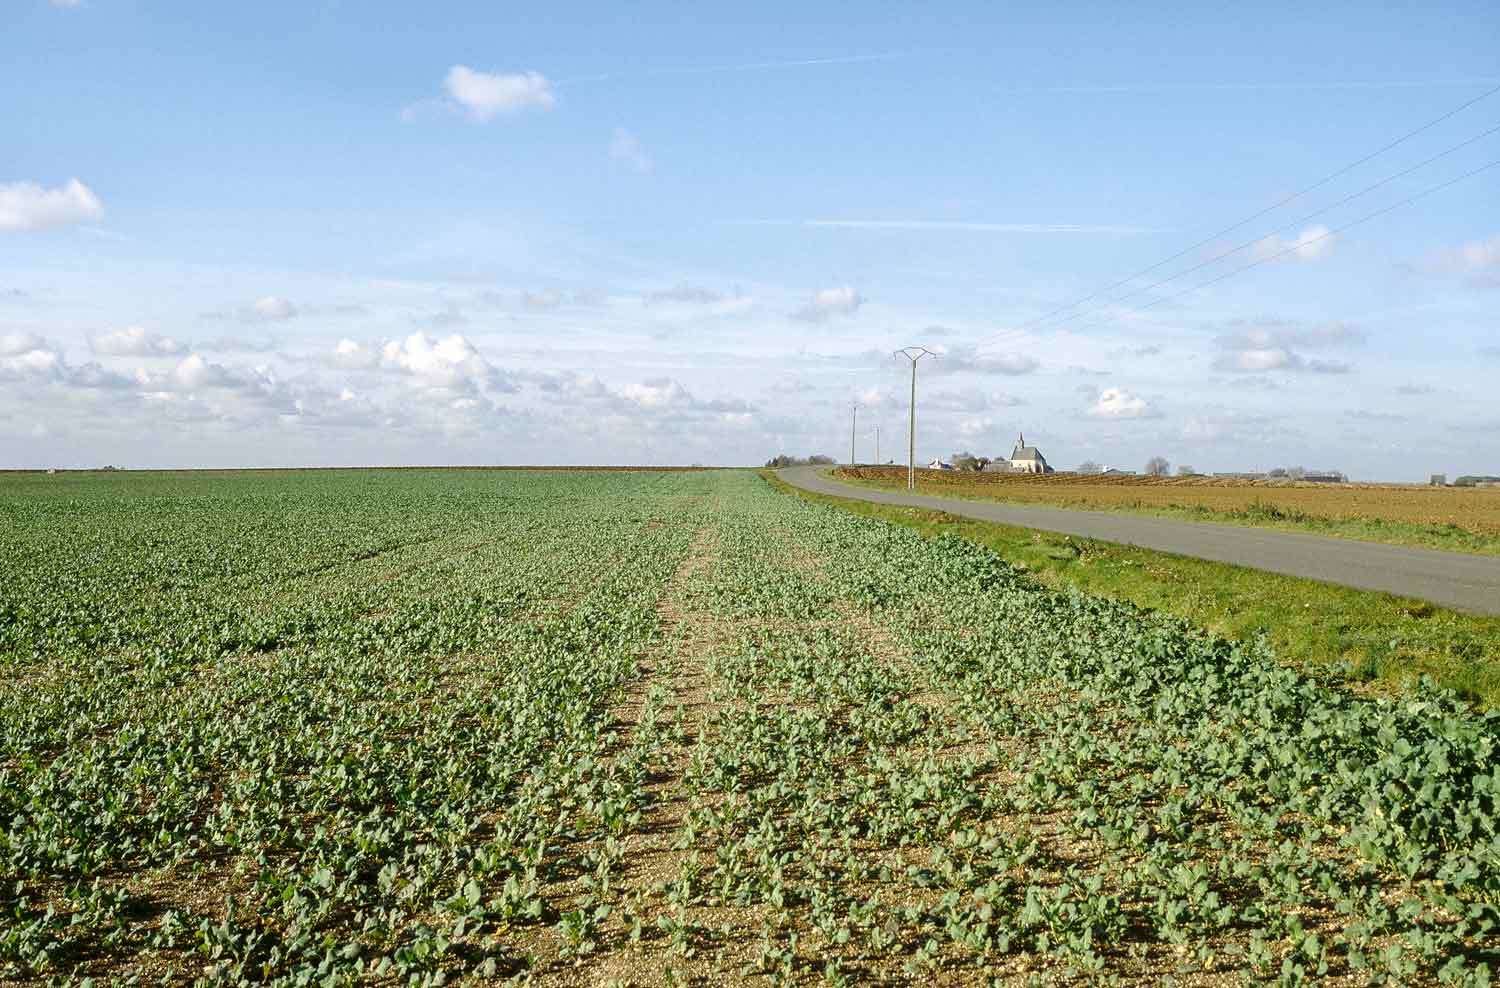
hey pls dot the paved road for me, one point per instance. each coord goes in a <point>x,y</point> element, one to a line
<point>1450,579</point>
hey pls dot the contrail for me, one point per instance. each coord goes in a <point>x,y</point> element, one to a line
<point>742,67</point>
<point>1242,86</point>
<point>956,225</point>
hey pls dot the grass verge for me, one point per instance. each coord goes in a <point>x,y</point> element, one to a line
<point>1373,642</point>
<point>1263,512</point>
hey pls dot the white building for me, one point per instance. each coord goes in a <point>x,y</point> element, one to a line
<point>1022,459</point>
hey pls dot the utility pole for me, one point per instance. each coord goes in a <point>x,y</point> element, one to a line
<point>877,446</point>
<point>853,418</point>
<point>914,354</point>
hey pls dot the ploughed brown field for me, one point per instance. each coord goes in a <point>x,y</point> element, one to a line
<point>1472,509</point>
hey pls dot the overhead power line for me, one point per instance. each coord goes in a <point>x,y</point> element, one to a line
<point>1269,209</point>
<point>1292,225</point>
<point>1312,240</point>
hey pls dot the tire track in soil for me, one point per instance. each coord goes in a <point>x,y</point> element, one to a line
<point>678,668</point>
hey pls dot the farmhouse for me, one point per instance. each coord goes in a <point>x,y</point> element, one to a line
<point>1022,459</point>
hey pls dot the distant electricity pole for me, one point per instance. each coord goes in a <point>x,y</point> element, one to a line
<point>877,445</point>
<point>914,354</point>
<point>853,418</point>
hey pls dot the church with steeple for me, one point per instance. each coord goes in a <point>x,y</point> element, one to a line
<point>1022,459</point>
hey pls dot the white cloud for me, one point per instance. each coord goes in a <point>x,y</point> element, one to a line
<point>686,295</point>
<point>1477,255</point>
<point>14,343</point>
<point>449,363</point>
<point>625,148</point>
<point>549,298</point>
<point>1117,403</point>
<point>657,393</point>
<point>195,372</point>
<point>959,359</point>
<point>1269,346</point>
<point>1312,244</point>
<point>447,317</point>
<point>348,353</point>
<point>32,362</point>
<point>135,341</point>
<point>230,344</point>
<point>1478,261</point>
<point>28,358</point>
<point>272,307</point>
<point>977,428</point>
<point>483,95</point>
<point>830,302</point>
<point>28,206</point>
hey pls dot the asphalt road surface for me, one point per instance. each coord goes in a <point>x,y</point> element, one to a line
<point>1449,579</point>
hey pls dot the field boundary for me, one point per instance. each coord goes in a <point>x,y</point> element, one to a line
<point>1467,583</point>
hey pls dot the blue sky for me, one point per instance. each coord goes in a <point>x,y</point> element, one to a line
<point>337,233</point>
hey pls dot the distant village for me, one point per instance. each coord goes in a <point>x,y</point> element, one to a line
<point>1027,459</point>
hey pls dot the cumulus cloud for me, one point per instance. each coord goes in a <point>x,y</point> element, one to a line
<point>31,359</point>
<point>1273,346</point>
<point>657,403</point>
<point>447,317</point>
<point>14,343</point>
<point>669,393</point>
<point>1136,351</point>
<point>969,400</point>
<point>450,363</point>
<point>686,295</point>
<point>272,307</point>
<point>1312,244</point>
<point>625,148</point>
<point>1369,415</point>
<point>549,298</point>
<point>1117,403</point>
<point>829,303</point>
<point>355,356</point>
<point>19,362</point>
<point>484,95</point>
<point>135,341</point>
<point>235,344</point>
<point>1259,360</point>
<point>957,359</point>
<point>979,428</point>
<point>29,206</point>
<point>1478,262</point>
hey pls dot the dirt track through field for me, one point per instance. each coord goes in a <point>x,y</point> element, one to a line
<point>1457,580</point>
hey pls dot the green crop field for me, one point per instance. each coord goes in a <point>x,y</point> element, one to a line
<point>562,728</point>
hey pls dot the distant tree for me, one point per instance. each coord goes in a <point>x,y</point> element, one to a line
<point>968,461</point>
<point>1278,473</point>
<point>1186,471</point>
<point>1158,466</point>
<point>786,460</point>
<point>1296,473</point>
<point>1089,466</point>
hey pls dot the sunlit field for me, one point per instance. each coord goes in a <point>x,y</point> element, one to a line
<point>1458,518</point>
<point>417,727</point>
